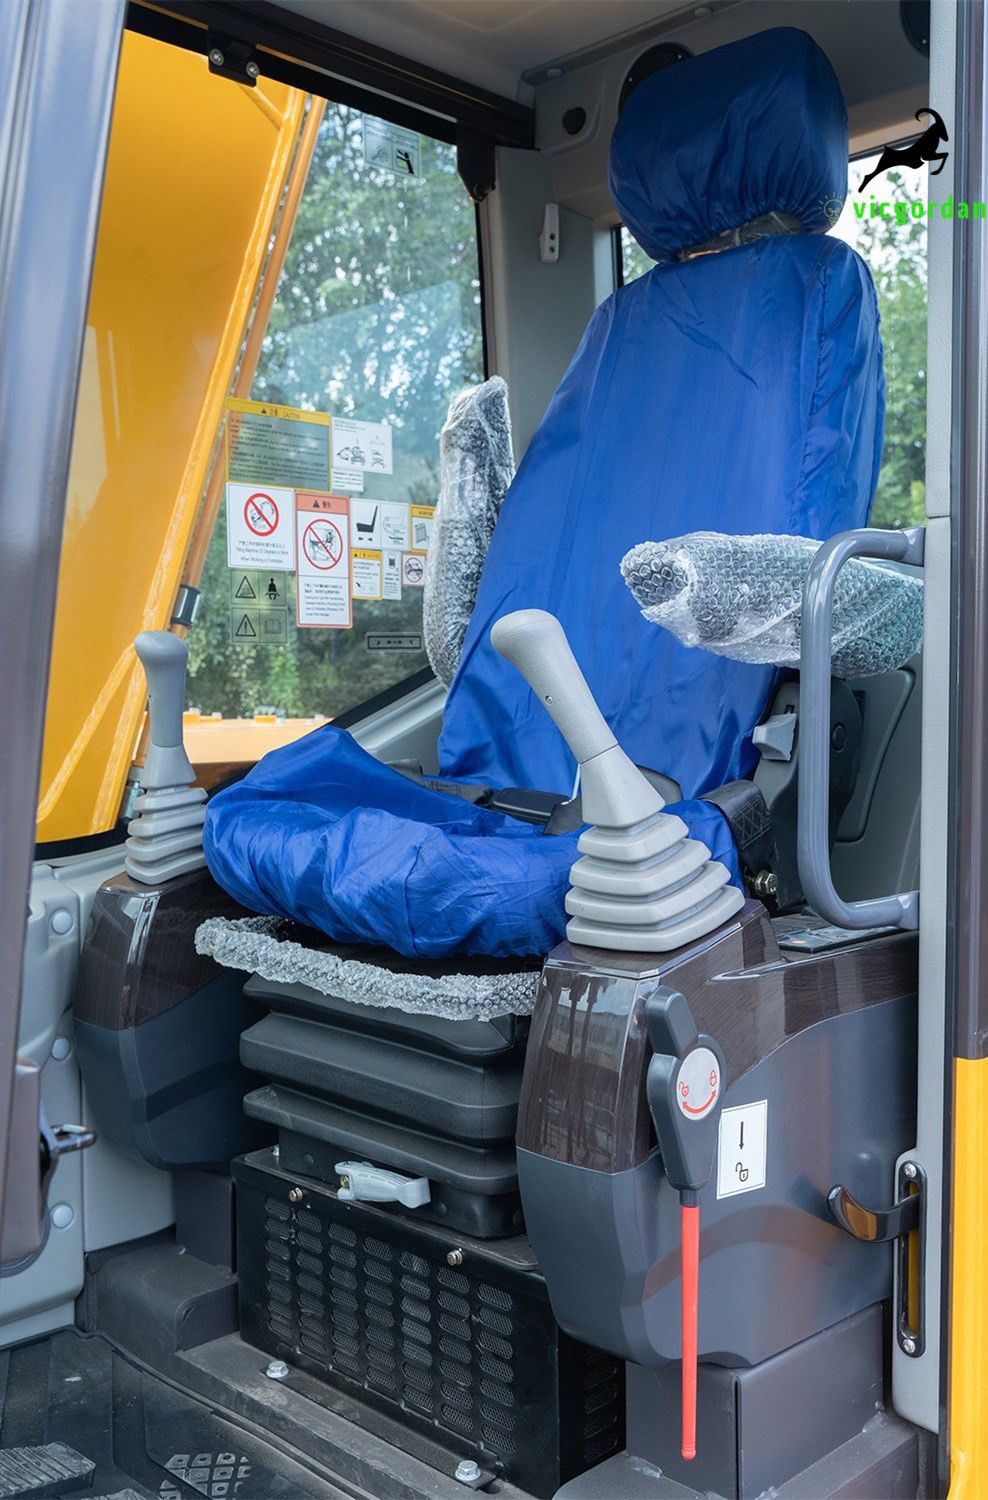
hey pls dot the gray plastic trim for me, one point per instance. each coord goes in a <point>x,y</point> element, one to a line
<point>813,835</point>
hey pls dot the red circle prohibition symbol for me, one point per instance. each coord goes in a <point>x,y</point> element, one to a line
<point>261,514</point>
<point>322,543</point>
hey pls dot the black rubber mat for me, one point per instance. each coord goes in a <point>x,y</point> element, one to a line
<point>147,1440</point>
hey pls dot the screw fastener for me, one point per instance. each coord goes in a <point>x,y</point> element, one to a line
<point>252,70</point>
<point>295,1195</point>
<point>277,1370</point>
<point>909,1346</point>
<point>467,1472</point>
<point>216,57</point>
<point>909,1170</point>
<point>454,1258</point>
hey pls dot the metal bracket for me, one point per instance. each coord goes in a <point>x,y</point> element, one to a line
<point>230,58</point>
<point>907,1215</point>
<point>186,608</point>
<point>475,162</point>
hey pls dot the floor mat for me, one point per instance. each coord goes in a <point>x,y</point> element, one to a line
<point>142,1434</point>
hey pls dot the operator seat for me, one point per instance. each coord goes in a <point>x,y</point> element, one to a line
<point>737,387</point>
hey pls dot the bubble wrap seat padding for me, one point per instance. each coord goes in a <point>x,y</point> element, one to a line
<point>281,952</point>
<point>742,597</point>
<point>738,391</point>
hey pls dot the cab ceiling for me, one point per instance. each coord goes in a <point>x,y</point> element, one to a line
<point>509,45</point>
<point>491,43</point>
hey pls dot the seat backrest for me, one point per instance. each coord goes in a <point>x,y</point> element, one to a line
<point>736,391</point>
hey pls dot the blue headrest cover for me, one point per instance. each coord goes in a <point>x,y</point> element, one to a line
<point>718,140</point>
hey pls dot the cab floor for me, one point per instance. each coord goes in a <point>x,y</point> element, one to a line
<point>146,1438</point>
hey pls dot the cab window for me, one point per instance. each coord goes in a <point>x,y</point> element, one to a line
<point>377,320</point>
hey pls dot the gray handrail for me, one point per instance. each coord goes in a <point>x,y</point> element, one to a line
<point>813,835</point>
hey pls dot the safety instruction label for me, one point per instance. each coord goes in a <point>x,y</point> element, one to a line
<point>365,523</point>
<point>395,525</point>
<point>391,575</point>
<point>254,626</point>
<point>322,527</point>
<point>362,445</point>
<point>268,444</point>
<point>412,569</point>
<point>392,147</point>
<point>258,590</point>
<point>347,478</point>
<point>742,1149</point>
<point>365,571</point>
<point>421,517</point>
<point>259,527</point>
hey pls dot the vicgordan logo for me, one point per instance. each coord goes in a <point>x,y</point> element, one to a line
<point>923,149</point>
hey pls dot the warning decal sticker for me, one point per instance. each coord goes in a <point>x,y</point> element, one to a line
<point>268,444</point>
<point>322,526</point>
<point>366,572</point>
<point>259,527</point>
<point>421,518</point>
<point>413,570</point>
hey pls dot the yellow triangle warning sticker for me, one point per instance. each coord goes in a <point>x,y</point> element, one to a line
<point>245,630</point>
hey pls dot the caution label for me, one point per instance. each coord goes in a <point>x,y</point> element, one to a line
<point>322,532</point>
<point>256,626</point>
<point>421,521</point>
<point>259,527</point>
<point>365,572</point>
<point>391,575</point>
<point>262,590</point>
<point>271,444</point>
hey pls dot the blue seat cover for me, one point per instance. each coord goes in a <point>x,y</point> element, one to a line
<point>738,391</point>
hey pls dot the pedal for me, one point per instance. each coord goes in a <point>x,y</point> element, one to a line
<point>36,1473</point>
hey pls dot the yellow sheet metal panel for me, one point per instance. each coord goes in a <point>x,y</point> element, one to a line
<point>196,169</point>
<point>968,1409</point>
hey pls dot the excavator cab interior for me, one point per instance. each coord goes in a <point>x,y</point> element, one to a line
<point>495,503</point>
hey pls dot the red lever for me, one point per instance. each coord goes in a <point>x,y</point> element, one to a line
<point>689,1226</point>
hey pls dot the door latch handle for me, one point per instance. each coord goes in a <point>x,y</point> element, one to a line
<point>905,1224</point>
<point>873,1224</point>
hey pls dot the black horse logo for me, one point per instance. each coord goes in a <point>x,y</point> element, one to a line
<point>923,148</point>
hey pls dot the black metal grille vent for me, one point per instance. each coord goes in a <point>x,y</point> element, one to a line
<point>470,1355</point>
<point>440,1342</point>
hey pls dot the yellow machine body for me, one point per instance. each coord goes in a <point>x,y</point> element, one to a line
<point>194,180</point>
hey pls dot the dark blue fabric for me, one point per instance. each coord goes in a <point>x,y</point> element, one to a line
<point>736,392</point>
<point>323,833</point>
<point>727,137</point>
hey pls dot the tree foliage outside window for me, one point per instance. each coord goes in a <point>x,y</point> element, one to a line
<point>377,317</point>
<point>896,256</point>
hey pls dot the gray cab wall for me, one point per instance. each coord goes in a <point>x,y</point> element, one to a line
<point>536,312</point>
<point>97,1197</point>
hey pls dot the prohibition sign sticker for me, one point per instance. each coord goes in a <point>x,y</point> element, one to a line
<point>261,514</point>
<point>322,543</point>
<point>260,528</point>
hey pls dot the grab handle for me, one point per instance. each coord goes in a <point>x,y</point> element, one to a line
<point>813,837</point>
